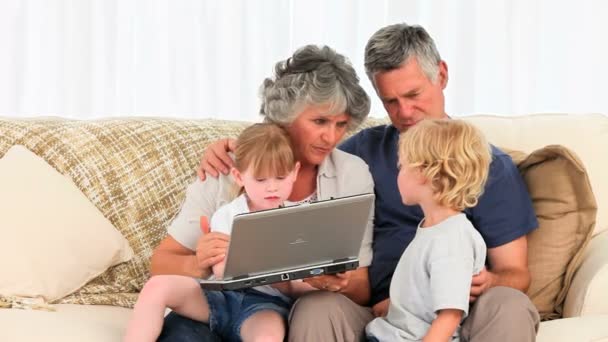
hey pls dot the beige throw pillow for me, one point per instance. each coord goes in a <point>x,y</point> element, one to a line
<point>54,240</point>
<point>566,210</point>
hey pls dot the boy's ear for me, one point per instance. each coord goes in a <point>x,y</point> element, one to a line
<point>236,174</point>
<point>422,179</point>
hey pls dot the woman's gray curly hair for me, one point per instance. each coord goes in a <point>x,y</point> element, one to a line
<point>313,76</point>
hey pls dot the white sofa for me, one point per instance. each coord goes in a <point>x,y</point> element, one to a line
<point>586,304</point>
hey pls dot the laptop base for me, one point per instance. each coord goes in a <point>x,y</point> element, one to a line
<point>244,282</point>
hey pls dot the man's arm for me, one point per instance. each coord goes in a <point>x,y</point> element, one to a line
<point>508,267</point>
<point>358,288</point>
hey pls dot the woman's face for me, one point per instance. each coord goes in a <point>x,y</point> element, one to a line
<point>315,133</point>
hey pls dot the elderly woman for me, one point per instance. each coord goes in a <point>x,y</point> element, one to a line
<point>315,95</point>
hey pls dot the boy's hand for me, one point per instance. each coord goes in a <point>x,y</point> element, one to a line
<point>481,283</point>
<point>380,309</point>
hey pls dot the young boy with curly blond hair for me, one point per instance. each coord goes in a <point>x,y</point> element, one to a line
<point>443,167</point>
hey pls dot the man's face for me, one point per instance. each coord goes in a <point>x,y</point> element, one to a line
<point>409,96</point>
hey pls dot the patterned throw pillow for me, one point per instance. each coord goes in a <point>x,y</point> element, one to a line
<point>566,210</point>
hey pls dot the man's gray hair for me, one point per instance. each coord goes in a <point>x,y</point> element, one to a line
<point>313,76</point>
<point>393,45</point>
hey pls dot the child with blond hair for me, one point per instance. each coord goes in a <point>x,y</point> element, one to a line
<point>265,170</point>
<point>443,167</point>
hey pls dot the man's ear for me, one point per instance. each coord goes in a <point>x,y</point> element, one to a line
<point>238,178</point>
<point>443,74</point>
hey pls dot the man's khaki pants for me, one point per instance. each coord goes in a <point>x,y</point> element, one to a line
<point>500,314</point>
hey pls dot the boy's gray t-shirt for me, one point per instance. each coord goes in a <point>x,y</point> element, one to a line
<point>434,273</point>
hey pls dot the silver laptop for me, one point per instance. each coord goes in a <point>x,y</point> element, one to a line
<point>295,242</point>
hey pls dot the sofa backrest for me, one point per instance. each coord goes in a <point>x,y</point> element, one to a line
<point>585,134</point>
<point>135,170</point>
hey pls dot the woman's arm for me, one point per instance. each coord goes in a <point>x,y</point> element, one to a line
<point>353,284</point>
<point>170,257</point>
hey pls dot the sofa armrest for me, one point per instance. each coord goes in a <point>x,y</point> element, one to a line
<point>587,294</point>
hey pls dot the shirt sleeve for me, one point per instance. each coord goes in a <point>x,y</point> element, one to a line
<point>221,221</point>
<point>202,199</point>
<point>366,252</point>
<point>504,212</point>
<point>355,178</point>
<point>450,276</point>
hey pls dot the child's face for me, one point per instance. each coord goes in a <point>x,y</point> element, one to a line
<point>268,192</point>
<point>411,183</point>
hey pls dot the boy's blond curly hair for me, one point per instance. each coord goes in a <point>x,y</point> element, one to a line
<point>453,155</point>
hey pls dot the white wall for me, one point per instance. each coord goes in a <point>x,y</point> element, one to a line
<point>192,58</point>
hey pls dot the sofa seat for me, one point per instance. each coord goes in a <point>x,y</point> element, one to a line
<point>103,323</point>
<point>70,323</point>
<point>574,329</point>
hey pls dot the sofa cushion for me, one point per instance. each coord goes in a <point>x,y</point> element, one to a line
<point>585,328</point>
<point>60,239</point>
<point>70,323</point>
<point>566,212</point>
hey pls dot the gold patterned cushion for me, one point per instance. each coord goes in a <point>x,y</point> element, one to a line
<point>566,210</point>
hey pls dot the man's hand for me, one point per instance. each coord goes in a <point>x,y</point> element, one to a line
<point>333,283</point>
<point>480,283</point>
<point>215,158</point>
<point>381,308</point>
<point>211,249</point>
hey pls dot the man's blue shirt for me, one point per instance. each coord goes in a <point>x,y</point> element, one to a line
<point>503,214</point>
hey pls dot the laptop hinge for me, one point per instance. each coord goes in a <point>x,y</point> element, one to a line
<point>341,260</point>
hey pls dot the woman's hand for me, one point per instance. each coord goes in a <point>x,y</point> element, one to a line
<point>211,249</point>
<point>215,158</point>
<point>333,283</point>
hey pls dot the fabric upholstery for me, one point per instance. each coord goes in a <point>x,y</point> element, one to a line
<point>587,294</point>
<point>69,323</point>
<point>566,210</point>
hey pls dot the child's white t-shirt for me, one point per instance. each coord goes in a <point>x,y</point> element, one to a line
<point>434,273</point>
<point>221,221</point>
